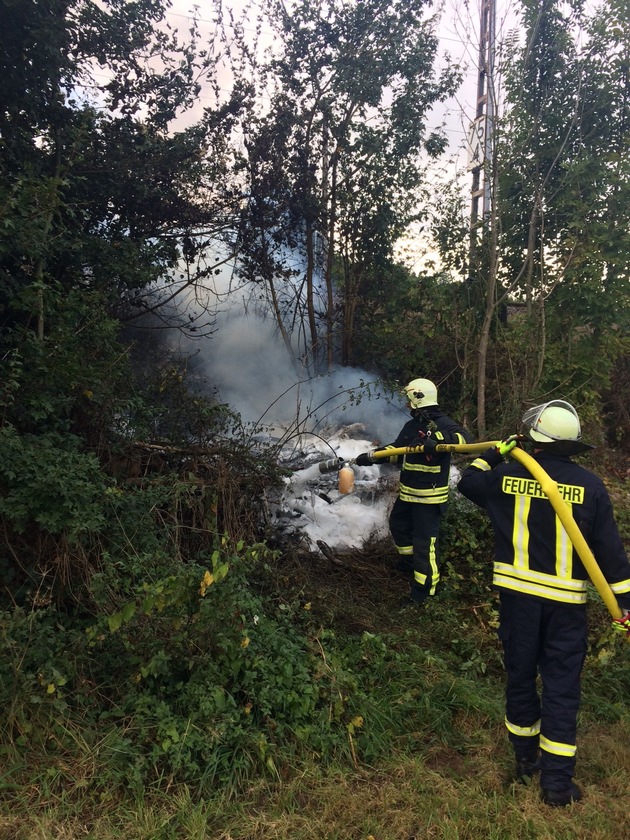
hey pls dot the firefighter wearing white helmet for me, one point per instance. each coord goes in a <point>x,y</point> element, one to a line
<point>421,393</point>
<point>555,422</point>
<point>542,587</point>
<point>424,486</point>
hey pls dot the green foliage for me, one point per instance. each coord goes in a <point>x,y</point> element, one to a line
<point>467,548</point>
<point>169,406</point>
<point>45,480</point>
<point>187,671</point>
<point>72,379</point>
<point>410,323</point>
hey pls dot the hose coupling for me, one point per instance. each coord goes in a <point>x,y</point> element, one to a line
<point>332,465</point>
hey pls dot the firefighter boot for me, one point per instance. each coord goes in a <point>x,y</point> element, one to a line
<point>561,798</point>
<point>526,768</point>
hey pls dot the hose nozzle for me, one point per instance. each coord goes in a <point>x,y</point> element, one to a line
<point>332,465</point>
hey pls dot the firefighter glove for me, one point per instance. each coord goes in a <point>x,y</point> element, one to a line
<point>429,445</point>
<point>507,445</point>
<point>365,459</point>
<point>622,625</point>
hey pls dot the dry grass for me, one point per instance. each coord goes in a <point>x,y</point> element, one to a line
<point>445,795</point>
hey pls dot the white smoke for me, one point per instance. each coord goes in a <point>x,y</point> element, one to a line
<point>245,363</point>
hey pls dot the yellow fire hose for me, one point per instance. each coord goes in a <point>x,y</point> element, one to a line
<point>550,488</point>
<point>470,448</point>
<point>563,512</point>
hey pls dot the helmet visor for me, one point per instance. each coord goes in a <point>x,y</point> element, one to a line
<point>543,429</point>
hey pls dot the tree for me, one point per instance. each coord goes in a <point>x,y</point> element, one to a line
<point>101,220</point>
<point>334,157</point>
<point>559,181</point>
<point>584,203</point>
<point>534,139</point>
<point>109,191</point>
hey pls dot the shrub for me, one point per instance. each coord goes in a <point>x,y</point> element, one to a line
<point>467,549</point>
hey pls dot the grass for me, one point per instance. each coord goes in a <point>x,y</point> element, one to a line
<point>452,782</point>
<point>441,794</point>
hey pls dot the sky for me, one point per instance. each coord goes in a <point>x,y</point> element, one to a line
<point>458,34</point>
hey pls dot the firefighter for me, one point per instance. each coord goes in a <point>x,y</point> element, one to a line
<point>414,521</point>
<point>542,588</point>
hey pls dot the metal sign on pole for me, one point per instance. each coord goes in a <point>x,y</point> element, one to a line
<point>476,143</point>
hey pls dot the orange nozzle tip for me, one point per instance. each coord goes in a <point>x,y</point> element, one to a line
<point>346,480</point>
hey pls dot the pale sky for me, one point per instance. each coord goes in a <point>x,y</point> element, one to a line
<point>459,39</point>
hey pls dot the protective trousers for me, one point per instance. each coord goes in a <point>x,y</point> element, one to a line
<point>545,637</point>
<point>415,528</point>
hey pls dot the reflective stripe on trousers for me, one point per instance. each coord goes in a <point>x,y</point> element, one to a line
<point>418,526</point>
<point>549,638</point>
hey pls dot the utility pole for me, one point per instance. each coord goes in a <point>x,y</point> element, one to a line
<point>481,131</point>
<point>482,257</point>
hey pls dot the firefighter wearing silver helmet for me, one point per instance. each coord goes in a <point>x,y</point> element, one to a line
<point>424,486</point>
<point>542,587</point>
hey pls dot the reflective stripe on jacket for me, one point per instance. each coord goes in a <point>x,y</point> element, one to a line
<point>424,479</point>
<point>533,552</point>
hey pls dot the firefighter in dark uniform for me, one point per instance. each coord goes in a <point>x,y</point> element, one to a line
<point>542,588</point>
<point>424,485</point>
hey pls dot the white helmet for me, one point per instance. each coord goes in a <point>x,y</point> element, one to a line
<point>552,421</point>
<point>421,393</point>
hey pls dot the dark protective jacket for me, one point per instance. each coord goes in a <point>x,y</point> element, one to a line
<point>424,478</point>
<point>533,552</point>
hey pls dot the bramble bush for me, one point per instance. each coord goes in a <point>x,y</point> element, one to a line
<point>467,548</point>
<point>184,671</point>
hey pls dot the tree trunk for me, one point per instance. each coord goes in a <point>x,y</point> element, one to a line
<point>330,258</point>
